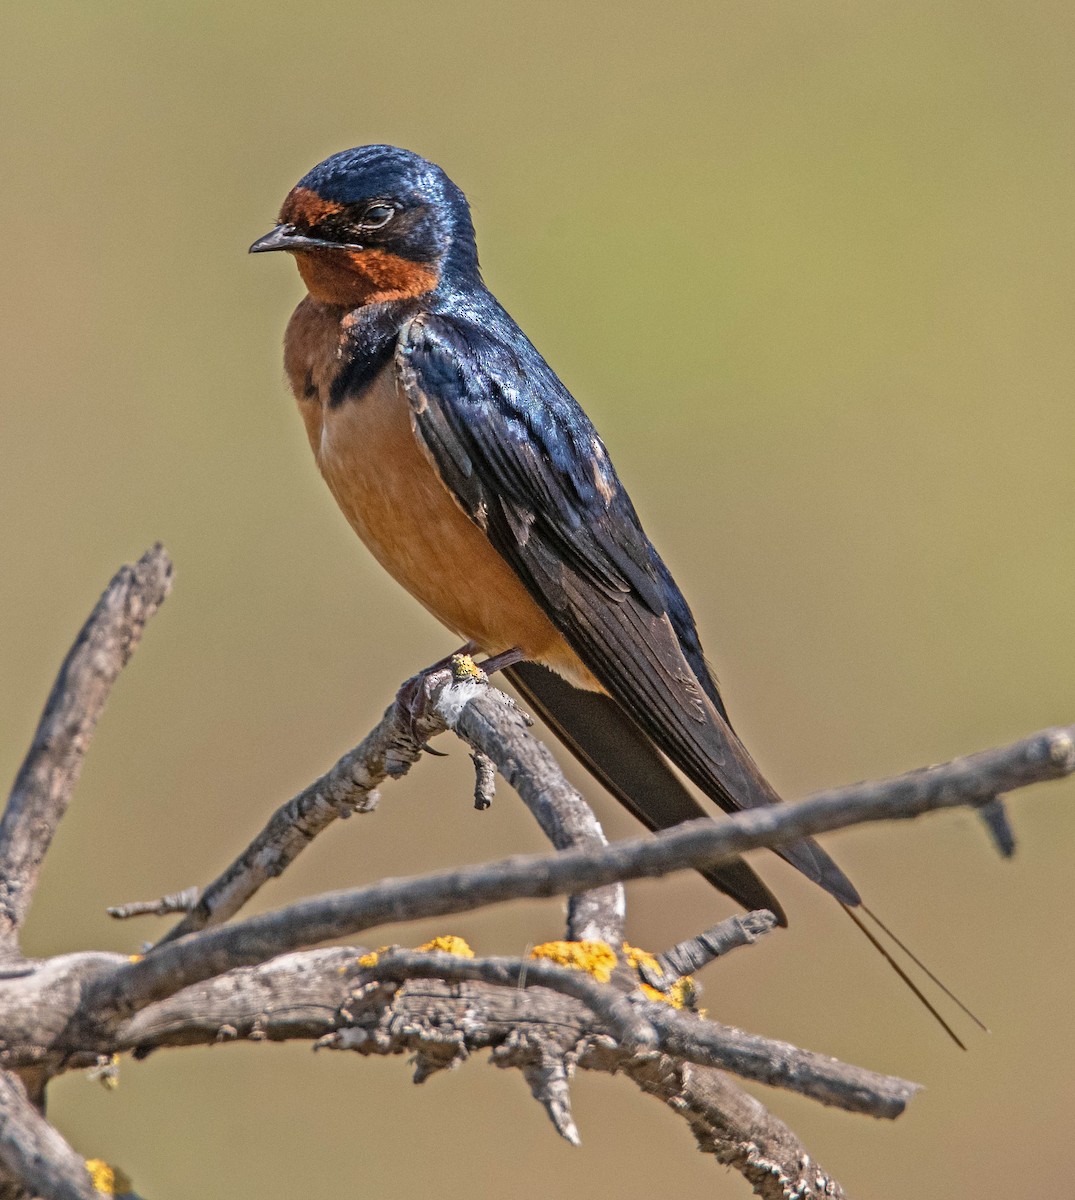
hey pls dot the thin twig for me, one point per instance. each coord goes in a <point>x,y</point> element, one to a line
<point>694,953</point>
<point>174,902</point>
<point>995,819</point>
<point>484,780</point>
<point>690,1038</point>
<point>47,777</point>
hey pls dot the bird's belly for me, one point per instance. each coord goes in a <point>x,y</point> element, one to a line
<point>394,499</point>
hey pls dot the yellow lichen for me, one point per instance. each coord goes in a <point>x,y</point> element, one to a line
<point>596,958</point>
<point>449,944</point>
<point>373,957</point>
<point>681,993</point>
<point>108,1180</point>
<point>637,958</point>
<point>464,667</point>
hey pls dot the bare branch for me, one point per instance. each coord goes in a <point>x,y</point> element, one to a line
<point>348,787</point>
<point>174,902</point>
<point>318,995</point>
<point>737,1129</point>
<point>33,1152</point>
<point>638,1025</point>
<point>48,775</point>
<point>426,706</point>
<point>248,981</point>
<point>1047,755</point>
<point>612,1007</point>
<point>693,954</point>
<point>495,727</point>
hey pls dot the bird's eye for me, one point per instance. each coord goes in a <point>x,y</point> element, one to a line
<point>377,216</point>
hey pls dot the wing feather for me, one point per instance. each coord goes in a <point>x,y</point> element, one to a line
<point>526,465</point>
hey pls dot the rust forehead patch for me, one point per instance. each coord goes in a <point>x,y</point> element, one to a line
<point>304,207</point>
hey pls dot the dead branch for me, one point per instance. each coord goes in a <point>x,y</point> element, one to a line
<point>961,782</point>
<point>34,1153</point>
<point>259,978</point>
<point>425,707</point>
<point>48,774</point>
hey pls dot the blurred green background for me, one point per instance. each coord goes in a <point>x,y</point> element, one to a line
<point>809,267</point>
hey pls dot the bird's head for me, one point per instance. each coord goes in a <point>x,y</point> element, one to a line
<point>373,225</point>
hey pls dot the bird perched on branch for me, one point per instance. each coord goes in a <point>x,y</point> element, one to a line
<point>478,482</point>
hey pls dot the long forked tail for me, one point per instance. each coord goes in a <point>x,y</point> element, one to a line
<point>874,941</point>
<point>594,728</point>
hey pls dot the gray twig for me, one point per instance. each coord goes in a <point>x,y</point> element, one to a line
<point>549,1080</point>
<point>47,777</point>
<point>689,1038</point>
<point>484,780</point>
<point>995,818</point>
<point>174,902</point>
<point>693,954</point>
<point>348,787</point>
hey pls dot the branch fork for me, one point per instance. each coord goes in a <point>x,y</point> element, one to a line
<point>212,979</point>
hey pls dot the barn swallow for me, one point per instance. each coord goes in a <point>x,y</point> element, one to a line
<point>477,481</point>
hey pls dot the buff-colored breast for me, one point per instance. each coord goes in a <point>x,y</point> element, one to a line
<point>395,501</point>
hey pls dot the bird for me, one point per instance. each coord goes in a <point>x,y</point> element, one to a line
<point>479,483</point>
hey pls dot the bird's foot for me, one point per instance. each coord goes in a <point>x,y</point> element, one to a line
<point>507,658</point>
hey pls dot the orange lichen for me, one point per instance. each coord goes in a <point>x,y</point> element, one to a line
<point>449,944</point>
<point>596,958</point>
<point>107,1179</point>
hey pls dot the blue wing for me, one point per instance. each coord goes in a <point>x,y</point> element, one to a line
<point>528,467</point>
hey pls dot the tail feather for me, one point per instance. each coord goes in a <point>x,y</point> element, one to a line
<point>594,728</point>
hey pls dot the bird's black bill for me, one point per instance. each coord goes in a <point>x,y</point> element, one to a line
<point>287,237</point>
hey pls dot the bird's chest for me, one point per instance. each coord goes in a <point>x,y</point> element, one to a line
<point>392,496</point>
<point>366,450</point>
